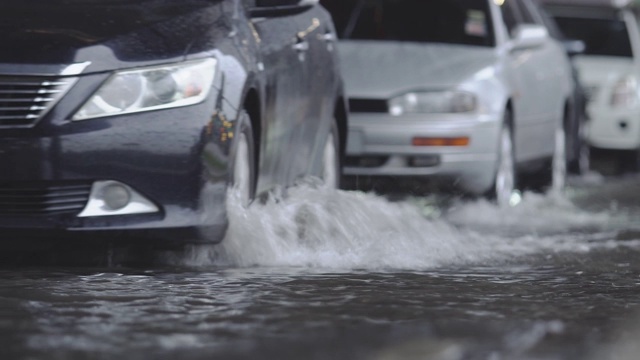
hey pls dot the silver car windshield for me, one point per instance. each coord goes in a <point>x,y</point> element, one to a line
<point>608,37</point>
<point>466,22</point>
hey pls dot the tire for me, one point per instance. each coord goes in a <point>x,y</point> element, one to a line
<point>552,177</point>
<point>581,164</point>
<point>559,161</point>
<point>504,185</point>
<point>242,169</point>
<point>331,165</point>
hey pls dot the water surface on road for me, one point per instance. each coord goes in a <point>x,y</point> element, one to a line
<point>348,275</point>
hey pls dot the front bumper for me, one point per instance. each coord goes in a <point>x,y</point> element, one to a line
<point>610,128</point>
<point>381,145</point>
<point>175,158</point>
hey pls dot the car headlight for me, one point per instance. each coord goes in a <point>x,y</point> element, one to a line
<point>625,92</point>
<point>151,88</point>
<point>433,102</point>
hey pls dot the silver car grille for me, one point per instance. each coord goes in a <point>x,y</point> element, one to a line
<point>26,99</point>
<point>368,105</point>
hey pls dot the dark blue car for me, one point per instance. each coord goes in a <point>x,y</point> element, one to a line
<point>134,117</point>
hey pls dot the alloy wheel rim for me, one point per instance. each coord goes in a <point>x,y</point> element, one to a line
<point>584,161</point>
<point>505,178</point>
<point>329,163</point>
<point>242,171</point>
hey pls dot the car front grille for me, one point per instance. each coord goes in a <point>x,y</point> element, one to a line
<point>43,199</point>
<point>368,106</point>
<point>26,99</point>
<point>366,161</point>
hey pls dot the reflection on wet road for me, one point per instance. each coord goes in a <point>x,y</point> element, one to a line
<point>346,275</point>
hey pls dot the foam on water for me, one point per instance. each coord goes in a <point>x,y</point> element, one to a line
<point>329,229</point>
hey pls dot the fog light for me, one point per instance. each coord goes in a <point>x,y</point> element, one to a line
<point>110,197</point>
<point>116,196</point>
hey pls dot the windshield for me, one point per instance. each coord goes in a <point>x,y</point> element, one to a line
<point>607,37</point>
<point>466,22</point>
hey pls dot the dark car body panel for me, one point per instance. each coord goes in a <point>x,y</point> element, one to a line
<point>176,157</point>
<point>120,32</point>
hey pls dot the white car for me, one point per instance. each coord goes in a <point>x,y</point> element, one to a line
<point>466,92</point>
<point>609,67</point>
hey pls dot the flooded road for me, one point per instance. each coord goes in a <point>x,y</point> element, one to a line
<point>348,275</point>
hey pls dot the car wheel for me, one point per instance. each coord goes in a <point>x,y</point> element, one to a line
<point>584,158</point>
<point>553,175</point>
<point>505,178</point>
<point>242,166</point>
<point>331,159</point>
<point>582,162</point>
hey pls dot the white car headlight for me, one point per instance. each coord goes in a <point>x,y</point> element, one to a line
<point>151,88</point>
<point>625,92</point>
<point>433,102</point>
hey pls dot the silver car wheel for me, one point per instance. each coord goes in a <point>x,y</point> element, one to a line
<point>505,175</point>
<point>330,162</point>
<point>584,159</point>
<point>559,162</point>
<point>242,170</point>
<point>584,154</point>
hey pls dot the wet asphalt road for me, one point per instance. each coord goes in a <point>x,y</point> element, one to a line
<point>353,276</point>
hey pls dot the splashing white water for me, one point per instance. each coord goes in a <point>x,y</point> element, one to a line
<point>537,215</point>
<point>329,229</point>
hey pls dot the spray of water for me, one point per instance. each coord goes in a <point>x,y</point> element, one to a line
<point>314,227</point>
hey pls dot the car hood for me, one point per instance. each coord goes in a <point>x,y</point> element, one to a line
<point>380,70</point>
<point>602,71</point>
<point>107,34</point>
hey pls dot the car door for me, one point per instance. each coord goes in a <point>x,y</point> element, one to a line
<point>527,69</point>
<point>283,55</point>
<point>555,82</point>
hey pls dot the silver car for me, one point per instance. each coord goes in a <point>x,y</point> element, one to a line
<point>466,92</point>
<point>608,68</point>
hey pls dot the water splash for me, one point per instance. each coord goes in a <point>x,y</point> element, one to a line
<point>537,215</point>
<point>330,229</point>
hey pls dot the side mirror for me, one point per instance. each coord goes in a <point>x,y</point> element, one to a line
<point>574,47</point>
<point>527,36</point>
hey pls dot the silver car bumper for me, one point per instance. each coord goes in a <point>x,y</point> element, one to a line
<point>381,145</point>
<point>611,128</point>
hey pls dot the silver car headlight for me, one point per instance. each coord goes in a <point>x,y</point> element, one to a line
<point>151,88</point>
<point>433,102</point>
<point>625,92</point>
